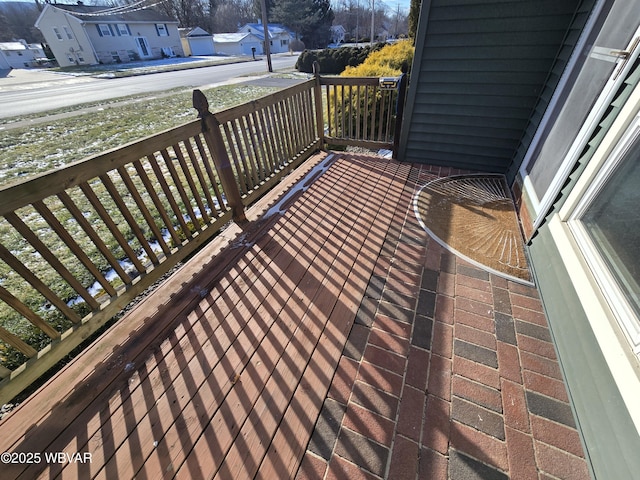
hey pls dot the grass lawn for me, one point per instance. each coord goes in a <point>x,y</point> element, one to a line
<point>26,151</point>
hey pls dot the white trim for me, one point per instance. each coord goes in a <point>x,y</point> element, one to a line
<point>624,369</point>
<point>581,45</point>
<point>530,193</point>
<point>593,119</point>
<point>586,273</point>
<point>611,144</point>
<point>592,182</point>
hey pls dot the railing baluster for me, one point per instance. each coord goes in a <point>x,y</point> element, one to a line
<point>126,178</point>
<point>50,258</point>
<point>113,228</point>
<point>142,174</point>
<point>131,222</point>
<point>270,140</point>
<point>73,247</point>
<point>93,235</point>
<point>195,195</point>
<point>366,111</point>
<point>249,152</point>
<point>29,314</point>
<point>183,197</point>
<point>265,162</point>
<point>160,178</point>
<point>36,283</point>
<point>213,178</point>
<point>241,174</point>
<point>12,339</point>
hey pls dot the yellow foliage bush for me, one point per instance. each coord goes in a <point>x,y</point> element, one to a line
<point>385,62</point>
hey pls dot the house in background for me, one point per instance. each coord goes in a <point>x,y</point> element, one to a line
<point>547,92</point>
<point>237,44</point>
<point>196,41</point>
<point>88,35</point>
<point>279,37</point>
<point>337,34</point>
<point>20,54</point>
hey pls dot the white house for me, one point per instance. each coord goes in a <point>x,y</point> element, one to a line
<point>237,43</point>
<point>20,54</point>
<point>338,33</point>
<point>279,37</point>
<point>196,41</point>
<point>87,35</point>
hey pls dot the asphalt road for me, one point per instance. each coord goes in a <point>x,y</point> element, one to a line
<point>50,95</point>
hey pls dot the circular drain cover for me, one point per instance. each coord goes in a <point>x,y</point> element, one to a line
<point>474,217</point>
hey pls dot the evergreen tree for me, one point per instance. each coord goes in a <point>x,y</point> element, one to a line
<point>414,16</point>
<point>310,20</point>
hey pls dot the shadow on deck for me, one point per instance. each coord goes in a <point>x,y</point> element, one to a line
<point>328,337</point>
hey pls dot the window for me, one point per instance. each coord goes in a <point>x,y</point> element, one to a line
<point>104,30</point>
<point>57,32</point>
<point>161,28</point>
<point>606,225</point>
<point>68,32</point>
<point>122,29</point>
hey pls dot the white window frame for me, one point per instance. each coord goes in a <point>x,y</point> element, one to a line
<point>587,282</point>
<point>617,301</point>
<point>122,29</point>
<point>162,30</point>
<point>105,30</point>
<point>57,33</point>
<point>542,205</point>
<point>68,32</point>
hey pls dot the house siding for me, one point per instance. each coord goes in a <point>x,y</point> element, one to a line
<point>481,70</point>
<point>609,435</point>
<point>67,51</point>
<point>607,427</point>
<point>96,47</point>
<point>494,92</point>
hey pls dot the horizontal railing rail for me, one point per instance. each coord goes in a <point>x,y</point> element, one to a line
<point>79,243</point>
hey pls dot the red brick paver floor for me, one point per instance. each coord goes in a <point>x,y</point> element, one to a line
<point>448,373</point>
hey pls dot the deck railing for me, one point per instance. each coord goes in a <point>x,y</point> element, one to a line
<point>80,243</point>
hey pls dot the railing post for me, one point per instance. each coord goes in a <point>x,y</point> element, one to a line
<point>318,101</point>
<point>213,137</point>
<point>402,92</point>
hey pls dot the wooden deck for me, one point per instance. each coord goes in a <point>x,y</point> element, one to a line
<point>250,351</point>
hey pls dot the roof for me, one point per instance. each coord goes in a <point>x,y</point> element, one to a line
<point>12,46</point>
<point>193,32</point>
<point>230,37</point>
<point>106,14</point>
<point>274,29</point>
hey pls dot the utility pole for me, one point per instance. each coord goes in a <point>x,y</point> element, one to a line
<point>357,20</point>
<point>373,19</point>
<point>267,38</point>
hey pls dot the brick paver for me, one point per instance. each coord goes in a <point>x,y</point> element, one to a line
<point>450,373</point>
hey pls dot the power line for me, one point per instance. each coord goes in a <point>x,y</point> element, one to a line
<point>116,10</point>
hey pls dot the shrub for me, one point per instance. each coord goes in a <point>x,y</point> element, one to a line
<point>335,60</point>
<point>385,62</point>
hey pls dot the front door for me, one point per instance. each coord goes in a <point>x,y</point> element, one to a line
<point>143,47</point>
